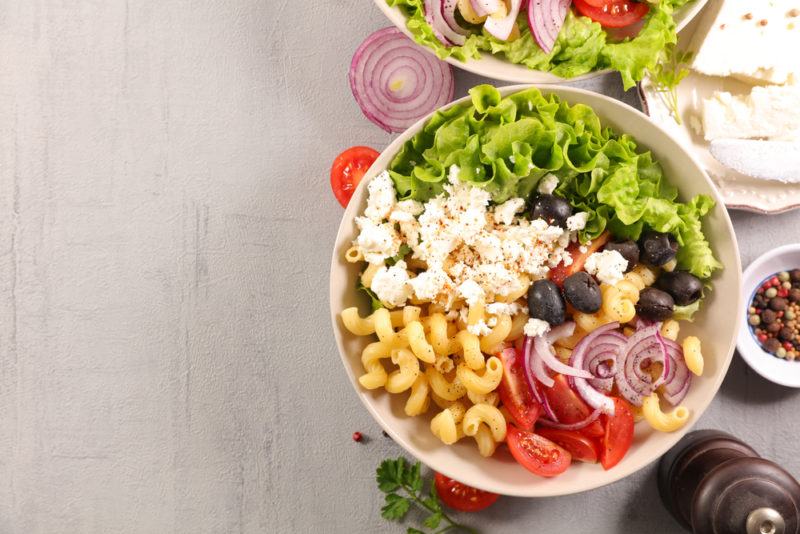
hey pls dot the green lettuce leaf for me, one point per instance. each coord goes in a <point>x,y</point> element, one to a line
<point>582,45</point>
<point>505,146</point>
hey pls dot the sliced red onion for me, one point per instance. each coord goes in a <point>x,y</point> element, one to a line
<point>449,14</point>
<point>396,82</point>
<point>502,27</point>
<point>573,426</point>
<point>633,383</point>
<point>527,353</point>
<point>678,380</point>
<point>560,332</point>
<point>544,351</point>
<point>442,31</point>
<point>545,18</point>
<point>593,351</point>
<point>484,8</point>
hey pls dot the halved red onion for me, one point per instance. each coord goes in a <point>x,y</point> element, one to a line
<point>678,379</point>
<point>501,27</point>
<point>483,8</point>
<point>597,349</point>
<point>632,382</point>
<point>544,351</point>
<point>449,13</point>
<point>591,418</point>
<point>395,82</point>
<point>545,18</point>
<point>441,29</point>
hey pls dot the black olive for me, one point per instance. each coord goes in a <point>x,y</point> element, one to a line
<point>628,249</point>
<point>684,287</point>
<point>545,302</point>
<point>582,292</point>
<point>654,304</point>
<point>658,248</point>
<point>553,209</point>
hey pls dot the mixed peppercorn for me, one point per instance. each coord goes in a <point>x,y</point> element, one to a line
<point>774,315</point>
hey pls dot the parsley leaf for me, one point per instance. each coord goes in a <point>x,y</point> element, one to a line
<point>389,475</point>
<point>375,302</point>
<point>396,507</point>
<point>433,520</point>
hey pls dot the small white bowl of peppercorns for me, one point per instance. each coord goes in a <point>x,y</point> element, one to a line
<point>769,341</point>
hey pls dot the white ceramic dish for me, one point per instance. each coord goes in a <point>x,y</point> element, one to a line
<point>770,367</point>
<point>501,474</point>
<point>498,69</point>
<point>738,190</point>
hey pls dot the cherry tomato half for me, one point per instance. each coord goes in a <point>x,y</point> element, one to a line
<point>618,434</point>
<point>613,13</point>
<point>561,271</point>
<point>515,391</point>
<point>569,408</point>
<point>579,446</point>
<point>461,497</point>
<point>347,170</point>
<point>538,455</point>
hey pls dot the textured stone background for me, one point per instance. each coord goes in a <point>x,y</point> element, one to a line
<point>166,357</point>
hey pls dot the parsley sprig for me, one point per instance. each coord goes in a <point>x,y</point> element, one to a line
<point>668,73</point>
<point>403,485</point>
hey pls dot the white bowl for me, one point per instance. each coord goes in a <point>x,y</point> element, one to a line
<point>774,369</point>
<point>716,325</point>
<point>499,69</point>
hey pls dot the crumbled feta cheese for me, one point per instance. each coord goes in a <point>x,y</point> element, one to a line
<point>406,211</point>
<point>584,249</point>
<point>479,329</point>
<point>536,327</point>
<point>428,284</point>
<point>503,308</point>
<point>504,213</point>
<point>491,322</point>
<point>376,241</point>
<point>577,221</point>
<point>471,292</point>
<point>381,198</point>
<point>608,266</point>
<point>548,184</point>
<point>391,285</point>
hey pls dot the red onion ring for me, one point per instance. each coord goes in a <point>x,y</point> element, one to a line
<point>436,20</point>
<point>386,57</point>
<point>544,351</point>
<point>678,379</point>
<point>529,375</point>
<point>633,383</point>
<point>484,8</point>
<point>545,18</point>
<point>600,346</point>
<point>501,28</point>
<point>449,13</point>
<point>573,426</point>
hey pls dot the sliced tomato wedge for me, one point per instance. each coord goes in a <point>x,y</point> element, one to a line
<point>538,455</point>
<point>569,408</point>
<point>461,497</point>
<point>515,391</point>
<point>618,434</point>
<point>613,13</point>
<point>348,169</point>
<point>560,272</point>
<point>579,446</point>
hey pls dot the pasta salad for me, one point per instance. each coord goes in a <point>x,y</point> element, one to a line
<point>528,270</point>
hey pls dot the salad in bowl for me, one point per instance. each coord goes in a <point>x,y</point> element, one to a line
<point>538,291</point>
<point>544,41</point>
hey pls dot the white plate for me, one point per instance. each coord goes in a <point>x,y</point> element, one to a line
<point>716,326</point>
<point>772,368</point>
<point>738,190</point>
<point>499,69</point>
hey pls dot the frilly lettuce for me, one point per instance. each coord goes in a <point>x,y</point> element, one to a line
<point>505,145</point>
<point>582,45</point>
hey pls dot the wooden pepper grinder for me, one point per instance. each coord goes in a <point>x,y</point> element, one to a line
<point>712,483</point>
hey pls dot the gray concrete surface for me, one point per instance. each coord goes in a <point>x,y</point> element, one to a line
<point>166,359</point>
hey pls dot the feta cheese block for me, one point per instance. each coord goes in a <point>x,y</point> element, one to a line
<point>770,112</point>
<point>753,40</point>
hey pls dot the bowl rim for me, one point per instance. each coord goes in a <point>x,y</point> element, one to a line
<point>766,365</point>
<point>518,73</point>
<point>566,93</point>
